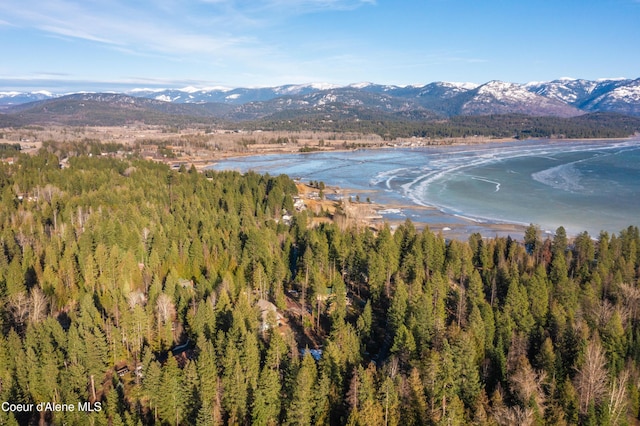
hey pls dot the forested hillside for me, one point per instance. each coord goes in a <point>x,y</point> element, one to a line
<point>139,288</point>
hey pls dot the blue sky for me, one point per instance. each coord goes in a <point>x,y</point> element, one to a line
<point>114,44</point>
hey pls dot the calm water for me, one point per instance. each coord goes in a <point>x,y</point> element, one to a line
<point>589,186</point>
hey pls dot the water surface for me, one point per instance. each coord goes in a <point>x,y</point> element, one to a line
<point>581,185</point>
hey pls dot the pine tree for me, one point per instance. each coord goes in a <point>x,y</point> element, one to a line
<point>234,385</point>
<point>172,407</point>
<point>300,412</point>
<point>267,402</point>
<point>466,370</point>
<point>153,387</point>
<point>532,238</point>
<point>417,399</point>
<point>398,309</point>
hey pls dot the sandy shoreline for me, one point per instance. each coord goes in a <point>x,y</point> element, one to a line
<point>345,211</point>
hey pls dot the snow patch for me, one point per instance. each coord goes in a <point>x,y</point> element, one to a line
<point>43,92</point>
<point>535,84</point>
<point>191,89</point>
<point>297,88</point>
<point>361,85</point>
<point>505,91</point>
<point>465,85</point>
<point>216,89</point>
<point>323,86</point>
<point>330,98</point>
<point>146,90</point>
<point>626,94</point>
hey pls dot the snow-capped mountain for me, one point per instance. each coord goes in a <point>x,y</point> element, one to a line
<point>447,89</point>
<point>624,98</point>
<point>444,97</point>
<point>563,98</point>
<point>436,96</point>
<point>498,97</point>
<point>238,96</point>
<point>574,92</point>
<point>570,91</point>
<point>604,95</point>
<point>17,98</point>
<point>342,99</point>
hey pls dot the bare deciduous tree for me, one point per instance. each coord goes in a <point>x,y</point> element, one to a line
<point>526,384</point>
<point>618,397</point>
<point>19,305</point>
<point>591,380</point>
<point>602,312</point>
<point>165,309</point>
<point>507,416</point>
<point>631,299</point>
<point>37,305</point>
<point>517,415</point>
<point>136,298</point>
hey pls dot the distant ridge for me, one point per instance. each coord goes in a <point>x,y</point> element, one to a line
<point>564,97</point>
<point>318,105</point>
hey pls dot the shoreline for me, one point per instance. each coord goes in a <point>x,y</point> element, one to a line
<point>356,145</point>
<point>205,150</point>
<point>268,149</point>
<point>375,215</point>
<point>451,224</point>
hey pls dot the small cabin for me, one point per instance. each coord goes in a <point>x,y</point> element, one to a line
<point>266,308</point>
<point>122,369</point>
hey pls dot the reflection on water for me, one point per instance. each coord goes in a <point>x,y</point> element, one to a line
<point>591,185</point>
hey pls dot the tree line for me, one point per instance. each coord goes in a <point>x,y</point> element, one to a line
<point>595,125</point>
<point>112,263</point>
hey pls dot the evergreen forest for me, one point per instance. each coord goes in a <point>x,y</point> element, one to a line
<point>140,292</point>
<point>519,126</point>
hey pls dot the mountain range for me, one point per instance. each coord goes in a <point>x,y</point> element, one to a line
<point>558,98</point>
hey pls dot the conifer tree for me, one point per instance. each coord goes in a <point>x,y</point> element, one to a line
<point>301,410</point>
<point>267,403</point>
<point>172,406</point>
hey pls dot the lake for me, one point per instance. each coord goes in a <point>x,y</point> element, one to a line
<point>581,185</point>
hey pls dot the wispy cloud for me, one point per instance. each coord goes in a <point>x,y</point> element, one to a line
<point>303,6</point>
<point>68,32</point>
<point>210,37</point>
<point>167,26</point>
<point>270,13</point>
<point>306,6</point>
<point>122,28</point>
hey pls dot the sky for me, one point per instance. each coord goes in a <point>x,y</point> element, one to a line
<point>93,45</point>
